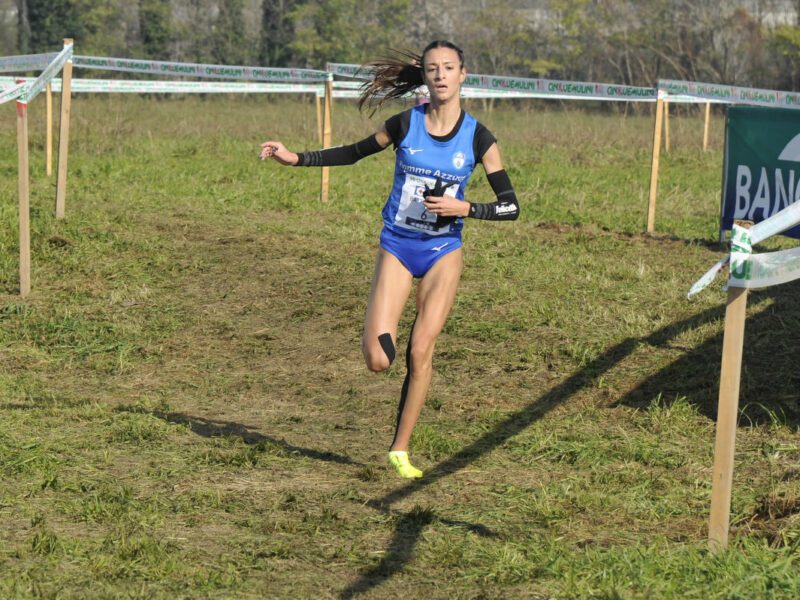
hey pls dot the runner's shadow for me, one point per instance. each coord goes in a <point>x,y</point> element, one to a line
<point>409,530</point>
<point>214,428</point>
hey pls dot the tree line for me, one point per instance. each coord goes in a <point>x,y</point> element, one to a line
<point>743,42</point>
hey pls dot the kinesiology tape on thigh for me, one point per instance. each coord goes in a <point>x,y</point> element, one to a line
<point>385,340</point>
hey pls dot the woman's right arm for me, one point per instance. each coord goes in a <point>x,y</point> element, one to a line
<point>328,157</point>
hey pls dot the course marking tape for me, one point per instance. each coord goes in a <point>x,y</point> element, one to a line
<point>26,62</point>
<point>179,87</point>
<point>730,94</point>
<point>533,88</point>
<point>12,92</point>
<point>159,67</point>
<point>51,71</point>
<point>774,269</point>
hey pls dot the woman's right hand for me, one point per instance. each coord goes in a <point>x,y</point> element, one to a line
<point>279,152</point>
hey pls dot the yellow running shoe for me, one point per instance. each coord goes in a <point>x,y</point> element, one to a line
<point>399,460</point>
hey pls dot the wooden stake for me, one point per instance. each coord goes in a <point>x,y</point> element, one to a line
<point>727,413</point>
<point>651,205</point>
<point>326,139</point>
<point>319,118</point>
<point>63,137</point>
<point>706,125</point>
<point>666,126</point>
<point>24,201</point>
<point>49,148</point>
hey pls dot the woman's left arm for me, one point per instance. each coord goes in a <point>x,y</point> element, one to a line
<point>504,208</point>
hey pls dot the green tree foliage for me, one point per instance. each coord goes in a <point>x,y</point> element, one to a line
<point>746,42</point>
<point>155,28</point>
<point>96,25</point>
<point>23,27</point>
<point>229,44</point>
<point>785,40</point>
<point>497,40</point>
<point>277,32</point>
<point>50,21</point>
<point>348,30</point>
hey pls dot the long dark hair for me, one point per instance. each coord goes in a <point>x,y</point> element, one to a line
<point>397,75</point>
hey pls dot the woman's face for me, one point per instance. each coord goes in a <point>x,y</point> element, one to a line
<point>443,73</point>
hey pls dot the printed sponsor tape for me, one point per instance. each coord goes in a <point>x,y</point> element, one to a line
<point>731,94</point>
<point>180,87</point>
<point>348,70</point>
<point>780,269</point>
<point>767,269</point>
<point>51,71</point>
<point>159,67</point>
<point>26,62</point>
<point>12,92</point>
<point>532,88</point>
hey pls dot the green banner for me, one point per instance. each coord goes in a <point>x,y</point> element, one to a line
<point>762,164</point>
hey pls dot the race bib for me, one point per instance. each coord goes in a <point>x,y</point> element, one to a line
<point>412,213</point>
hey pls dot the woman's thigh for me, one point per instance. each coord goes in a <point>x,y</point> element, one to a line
<point>435,297</point>
<point>391,286</point>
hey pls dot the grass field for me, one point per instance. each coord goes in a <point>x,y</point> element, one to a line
<point>185,412</point>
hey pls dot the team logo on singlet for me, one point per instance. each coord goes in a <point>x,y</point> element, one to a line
<point>458,160</point>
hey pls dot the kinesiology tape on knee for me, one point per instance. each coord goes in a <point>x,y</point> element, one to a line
<point>385,340</point>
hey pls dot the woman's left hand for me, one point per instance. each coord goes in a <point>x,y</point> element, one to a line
<point>446,206</point>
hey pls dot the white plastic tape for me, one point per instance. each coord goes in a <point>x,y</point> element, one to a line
<point>781,269</point>
<point>12,92</point>
<point>731,94</point>
<point>100,86</point>
<point>771,268</point>
<point>51,71</point>
<point>528,87</point>
<point>26,62</point>
<point>204,71</point>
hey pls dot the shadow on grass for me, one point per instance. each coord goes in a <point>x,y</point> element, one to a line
<point>408,531</point>
<point>210,428</point>
<point>770,379</point>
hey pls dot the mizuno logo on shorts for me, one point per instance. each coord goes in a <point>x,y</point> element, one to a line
<point>438,248</point>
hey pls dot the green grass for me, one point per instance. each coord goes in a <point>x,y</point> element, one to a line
<point>186,413</point>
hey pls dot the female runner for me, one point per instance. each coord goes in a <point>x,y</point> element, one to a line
<point>437,147</point>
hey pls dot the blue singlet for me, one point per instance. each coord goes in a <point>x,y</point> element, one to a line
<point>417,238</point>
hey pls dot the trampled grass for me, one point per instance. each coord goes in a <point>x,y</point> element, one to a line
<point>185,412</point>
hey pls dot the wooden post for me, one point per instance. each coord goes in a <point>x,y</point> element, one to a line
<point>727,413</point>
<point>24,200</point>
<point>63,137</point>
<point>319,118</point>
<point>49,148</point>
<point>326,137</point>
<point>666,126</point>
<point>651,205</point>
<point>706,125</point>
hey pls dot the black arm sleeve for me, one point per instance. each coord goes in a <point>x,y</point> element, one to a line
<point>340,155</point>
<point>505,208</point>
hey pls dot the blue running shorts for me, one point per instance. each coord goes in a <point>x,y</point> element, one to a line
<point>418,255</point>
